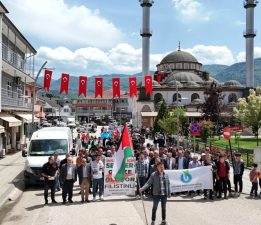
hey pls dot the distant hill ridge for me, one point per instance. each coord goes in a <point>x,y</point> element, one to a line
<point>222,73</point>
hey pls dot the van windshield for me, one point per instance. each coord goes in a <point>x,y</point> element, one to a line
<point>48,147</point>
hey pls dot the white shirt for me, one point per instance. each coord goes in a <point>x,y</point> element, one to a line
<point>69,173</point>
<point>97,169</point>
<point>181,163</point>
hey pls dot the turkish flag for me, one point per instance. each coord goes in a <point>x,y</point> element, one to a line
<point>98,86</point>
<point>64,83</point>
<point>148,84</point>
<point>82,85</point>
<point>47,79</point>
<point>116,87</point>
<point>133,86</point>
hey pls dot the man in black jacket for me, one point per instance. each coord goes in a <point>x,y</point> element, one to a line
<point>68,176</point>
<point>49,173</point>
<point>238,173</point>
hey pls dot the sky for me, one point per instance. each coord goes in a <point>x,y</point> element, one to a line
<point>92,37</point>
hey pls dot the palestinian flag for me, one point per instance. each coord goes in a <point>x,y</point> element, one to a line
<point>124,151</point>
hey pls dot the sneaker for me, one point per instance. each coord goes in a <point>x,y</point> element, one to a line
<point>46,202</point>
<point>70,201</point>
<point>144,197</point>
<point>53,201</point>
<point>87,200</point>
<point>152,223</point>
<point>137,197</point>
<point>164,222</point>
<point>101,198</point>
<point>94,199</point>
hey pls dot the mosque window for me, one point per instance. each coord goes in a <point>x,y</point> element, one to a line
<point>232,97</point>
<point>186,66</point>
<point>192,66</point>
<point>178,66</point>
<point>194,96</point>
<point>175,97</point>
<point>157,98</point>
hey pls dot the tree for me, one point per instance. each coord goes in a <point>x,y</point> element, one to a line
<point>163,113</point>
<point>206,128</point>
<point>170,124</point>
<point>213,102</point>
<point>249,111</point>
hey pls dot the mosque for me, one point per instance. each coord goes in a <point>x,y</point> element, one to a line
<point>182,84</point>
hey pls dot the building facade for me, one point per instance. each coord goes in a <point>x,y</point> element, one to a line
<point>17,63</point>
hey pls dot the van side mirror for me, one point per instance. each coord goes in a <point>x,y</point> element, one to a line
<point>24,153</point>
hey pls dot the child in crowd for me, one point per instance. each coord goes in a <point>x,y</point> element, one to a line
<point>253,178</point>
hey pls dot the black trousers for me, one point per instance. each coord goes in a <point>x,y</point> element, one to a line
<point>49,184</point>
<point>222,185</point>
<point>254,189</point>
<point>67,189</point>
<point>238,181</point>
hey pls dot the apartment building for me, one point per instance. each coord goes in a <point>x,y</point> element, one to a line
<point>16,69</point>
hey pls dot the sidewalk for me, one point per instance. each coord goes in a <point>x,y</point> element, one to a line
<point>11,175</point>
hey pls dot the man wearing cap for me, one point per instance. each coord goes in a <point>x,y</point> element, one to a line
<point>161,191</point>
<point>222,174</point>
<point>238,173</point>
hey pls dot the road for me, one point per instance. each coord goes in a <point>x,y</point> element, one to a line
<point>127,211</point>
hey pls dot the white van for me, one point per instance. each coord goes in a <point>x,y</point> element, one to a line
<point>44,143</point>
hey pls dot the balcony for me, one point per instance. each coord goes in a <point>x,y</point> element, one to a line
<point>14,100</point>
<point>14,59</point>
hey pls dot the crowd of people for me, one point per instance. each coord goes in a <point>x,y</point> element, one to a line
<point>88,169</point>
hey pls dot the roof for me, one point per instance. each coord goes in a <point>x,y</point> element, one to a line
<point>3,9</point>
<point>51,133</point>
<point>51,102</point>
<point>187,114</point>
<point>179,56</point>
<point>232,83</point>
<point>183,77</point>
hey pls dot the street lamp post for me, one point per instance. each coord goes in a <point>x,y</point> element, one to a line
<point>34,83</point>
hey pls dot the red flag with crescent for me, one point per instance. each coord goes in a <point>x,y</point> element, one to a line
<point>133,86</point>
<point>116,88</point>
<point>47,79</point>
<point>82,85</point>
<point>148,84</point>
<point>64,83</point>
<point>98,86</point>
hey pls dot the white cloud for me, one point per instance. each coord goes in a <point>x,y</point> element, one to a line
<point>211,54</point>
<point>55,22</point>
<point>241,56</point>
<point>191,10</point>
<point>123,58</point>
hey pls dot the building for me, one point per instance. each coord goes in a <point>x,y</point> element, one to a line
<point>182,83</point>
<point>91,108</point>
<point>16,69</point>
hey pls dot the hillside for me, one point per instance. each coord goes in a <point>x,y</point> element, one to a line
<point>214,69</point>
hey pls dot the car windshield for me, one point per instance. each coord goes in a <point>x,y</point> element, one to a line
<point>48,147</point>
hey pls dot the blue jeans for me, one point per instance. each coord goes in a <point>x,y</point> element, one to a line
<point>156,199</point>
<point>97,183</point>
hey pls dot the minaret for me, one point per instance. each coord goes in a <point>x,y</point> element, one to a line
<point>250,34</point>
<point>145,34</point>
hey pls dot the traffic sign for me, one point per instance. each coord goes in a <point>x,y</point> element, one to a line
<point>194,129</point>
<point>227,132</point>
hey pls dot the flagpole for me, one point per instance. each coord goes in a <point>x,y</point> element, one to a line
<point>142,201</point>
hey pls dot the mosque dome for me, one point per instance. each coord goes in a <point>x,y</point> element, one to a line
<point>183,77</point>
<point>179,56</point>
<point>174,83</point>
<point>232,83</point>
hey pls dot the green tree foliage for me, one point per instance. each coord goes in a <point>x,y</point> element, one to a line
<point>206,128</point>
<point>249,111</point>
<point>169,124</point>
<point>163,113</point>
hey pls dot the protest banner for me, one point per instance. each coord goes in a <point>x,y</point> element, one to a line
<point>190,179</point>
<point>113,187</point>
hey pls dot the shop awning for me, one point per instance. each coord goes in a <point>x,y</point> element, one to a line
<point>149,114</point>
<point>2,129</point>
<point>12,121</point>
<point>27,117</point>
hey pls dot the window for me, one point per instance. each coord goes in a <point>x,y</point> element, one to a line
<point>157,98</point>
<point>186,66</point>
<point>175,97</point>
<point>232,97</point>
<point>9,88</point>
<point>194,96</point>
